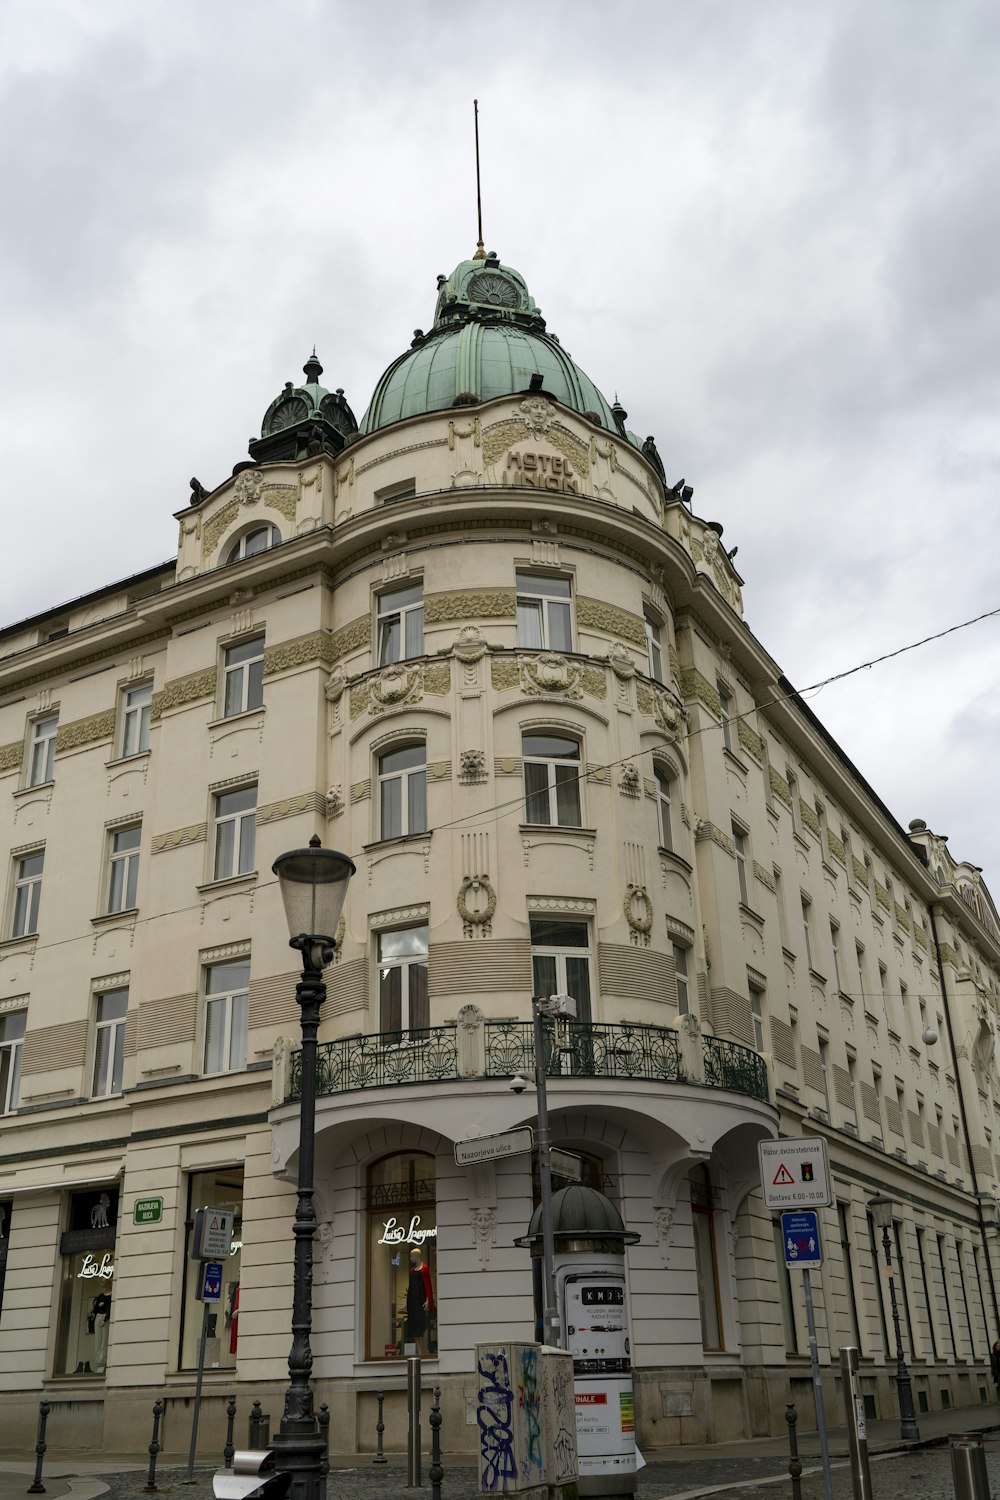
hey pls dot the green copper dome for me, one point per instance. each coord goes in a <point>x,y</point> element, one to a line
<point>488,340</point>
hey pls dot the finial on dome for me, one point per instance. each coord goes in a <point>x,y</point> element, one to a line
<point>480,247</point>
<point>312,369</point>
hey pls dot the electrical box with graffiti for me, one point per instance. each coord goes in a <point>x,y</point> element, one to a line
<point>527,1421</point>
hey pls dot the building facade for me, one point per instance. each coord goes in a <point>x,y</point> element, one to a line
<point>478,643</point>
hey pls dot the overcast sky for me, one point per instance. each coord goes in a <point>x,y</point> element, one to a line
<point>771,228</point>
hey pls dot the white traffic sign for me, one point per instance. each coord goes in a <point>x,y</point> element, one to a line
<point>794,1174</point>
<point>565,1164</point>
<point>213,1234</point>
<point>493,1147</point>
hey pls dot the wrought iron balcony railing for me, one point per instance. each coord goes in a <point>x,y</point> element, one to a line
<point>584,1049</point>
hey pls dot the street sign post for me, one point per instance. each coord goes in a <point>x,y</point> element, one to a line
<point>794,1173</point>
<point>801,1239</point>
<point>494,1147</point>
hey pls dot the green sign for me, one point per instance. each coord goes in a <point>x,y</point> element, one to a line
<point>147,1211</point>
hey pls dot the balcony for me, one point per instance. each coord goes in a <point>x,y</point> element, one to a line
<point>586,1049</point>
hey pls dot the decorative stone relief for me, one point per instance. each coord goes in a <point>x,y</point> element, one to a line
<point>549,673</point>
<point>182,690</point>
<point>638,911</point>
<point>395,685</point>
<point>85,731</point>
<point>470,604</point>
<point>597,614</point>
<point>472,767</point>
<point>620,661</point>
<point>504,674</point>
<point>628,781</point>
<point>469,645</point>
<point>484,1223</point>
<point>477,901</point>
<point>437,679</point>
<point>669,714</point>
<point>336,686</point>
<point>538,414</point>
<point>663,1223</point>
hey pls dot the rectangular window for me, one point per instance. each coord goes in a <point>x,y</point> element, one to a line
<point>793,792</point>
<point>42,750</point>
<point>740,843</point>
<point>901,1106</point>
<point>706,1264</point>
<point>137,706</point>
<point>843,1221</point>
<point>243,677</point>
<point>400,624</point>
<point>11,1040</point>
<point>852,1079</point>
<point>807,929</point>
<point>922,1263</point>
<point>883,980</point>
<point>654,648</point>
<point>757,1015</point>
<point>27,894</point>
<point>220,1188</point>
<point>859,958</point>
<point>785,1293</point>
<point>877,1089</point>
<point>544,612</point>
<point>551,780</point>
<point>402,792</point>
<point>823,1047</point>
<point>404,1005</point>
<point>227,988</point>
<point>726,711</point>
<point>838,966</point>
<point>905,1009</point>
<point>560,961</point>
<point>663,822</point>
<point>109,1050</point>
<point>681,979</point>
<point>235,824</point>
<point>943,1264</point>
<point>779,897</point>
<point>123,878</point>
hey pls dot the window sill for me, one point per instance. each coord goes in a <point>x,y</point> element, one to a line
<point>38,786</point>
<point>817,976</point>
<point>559,829</point>
<point>678,860</point>
<point>27,941</point>
<point>732,759</point>
<point>244,715</point>
<point>228,882</point>
<point>109,918</point>
<point>752,916</point>
<point>400,841</point>
<point>127,760</point>
<point>799,841</point>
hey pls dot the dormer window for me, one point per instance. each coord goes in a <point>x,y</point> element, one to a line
<point>252,542</point>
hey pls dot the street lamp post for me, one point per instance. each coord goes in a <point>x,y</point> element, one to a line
<point>562,1007</point>
<point>313,885</point>
<point>881,1211</point>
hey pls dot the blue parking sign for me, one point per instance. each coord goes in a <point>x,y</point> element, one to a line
<point>800,1237</point>
<point>211,1281</point>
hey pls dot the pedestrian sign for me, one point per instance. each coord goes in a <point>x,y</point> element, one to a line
<point>211,1281</point>
<point>801,1240</point>
<point>795,1173</point>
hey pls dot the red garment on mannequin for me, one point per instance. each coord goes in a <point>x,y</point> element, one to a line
<point>234,1322</point>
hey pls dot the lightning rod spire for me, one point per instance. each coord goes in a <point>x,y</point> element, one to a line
<point>480,247</point>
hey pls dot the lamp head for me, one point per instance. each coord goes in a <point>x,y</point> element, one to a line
<point>880,1209</point>
<point>313,885</point>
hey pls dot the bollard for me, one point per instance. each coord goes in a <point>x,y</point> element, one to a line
<point>413,1422</point>
<point>324,1431</point>
<point>38,1488</point>
<point>253,1440</point>
<point>150,1487</point>
<point>857,1431</point>
<point>380,1457</point>
<point>230,1448</point>
<point>436,1472</point>
<point>794,1462</point>
<point>968,1467</point>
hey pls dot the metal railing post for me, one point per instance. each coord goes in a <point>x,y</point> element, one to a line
<point>794,1462</point>
<point>230,1446</point>
<point>38,1488</point>
<point>436,1473</point>
<point>857,1431</point>
<point>380,1457</point>
<point>413,1422</point>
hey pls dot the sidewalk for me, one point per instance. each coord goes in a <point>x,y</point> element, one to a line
<point>679,1472</point>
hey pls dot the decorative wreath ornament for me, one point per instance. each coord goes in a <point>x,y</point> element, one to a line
<point>474,917</point>
<point>638,913</point>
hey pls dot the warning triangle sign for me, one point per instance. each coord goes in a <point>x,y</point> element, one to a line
<point>784,1178</point>
<point>215,1222</point>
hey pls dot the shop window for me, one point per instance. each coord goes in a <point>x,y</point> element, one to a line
<point>401,1215</point>
<point>87,1250</point>
<point>400,624</point>
<point>221,1188</point>
<point>706,1261</point>
<point>136,710</point>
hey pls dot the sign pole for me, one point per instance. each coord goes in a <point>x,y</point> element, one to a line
<point>189,1477</point>
<point>824,1448</point>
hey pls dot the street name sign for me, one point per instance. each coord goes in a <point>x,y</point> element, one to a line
<point>147,1211</point>
<point>800,1237</point>
<point>565,1164</point>
<point>494,1147</point>
<point>794,1173</point>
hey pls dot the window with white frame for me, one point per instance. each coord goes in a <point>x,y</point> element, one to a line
<point>807,929</point>
<point>705,1257</point>
<point>109,1046</point>
<point>663,822</point>
<point>544,612</point>
<point>560,961</point>
<point>403,1000</point>
<point>11,1040</point>
<point>260,539</point>
<point>235,823</point>
<point>123,879</point>
<point>838,962</point>
<point>740,846</point>
<point>823,1047</point>
<point>681,979</point>
<point>654,647</point>
<point>227,989</point>
<point>137,707</point>
<point>726,711</point>
<point>243,677</point>
<point>27,894</point>
<point>757,1015</point>
<point>402,791</point>
<point>551,779</point>
<point>400,624</point>
<point>42,750</point>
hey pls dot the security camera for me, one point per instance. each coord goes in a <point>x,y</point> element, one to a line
<point>518,1084</point>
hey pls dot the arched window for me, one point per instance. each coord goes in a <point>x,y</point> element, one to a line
<point>551,779</point>
<point>663,808</point>
<point>706,1261</point>
<point>401,1214</point>
<point>252,542</point>
<point>402,791</point>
